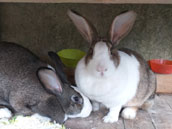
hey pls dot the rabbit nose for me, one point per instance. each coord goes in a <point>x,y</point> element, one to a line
<point>101,69</point>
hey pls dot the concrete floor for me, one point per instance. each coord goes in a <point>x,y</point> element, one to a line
<point>160,117</point>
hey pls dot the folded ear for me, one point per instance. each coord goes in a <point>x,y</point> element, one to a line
<point>86,29</point>
<point>121,26</point>
<point>58,66</point>
<point>50,80</point>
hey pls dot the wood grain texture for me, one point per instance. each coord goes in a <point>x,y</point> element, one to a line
<point>93,122</point>
<point>94,1</point>
<point>142,121</point>
<point>158,117</point>
<point>164,83</point>
<point>161,113</point>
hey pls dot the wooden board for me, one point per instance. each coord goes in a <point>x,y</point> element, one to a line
<point>164,83</point>
<point>162,112</point>
<point>159,117</point>
<point>94,121</point>
<point>95,1</point>
<point>142,121</point>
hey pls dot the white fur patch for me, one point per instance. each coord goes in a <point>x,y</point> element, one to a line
<point>51,67</point>
<point>5,113</point>
<point>115,89</point>
<point>113,115</point>
<point>66,117</point>
<point>129,113</point>
<point>117,86</point>
<point>87,107</point>
<point>100,59</point>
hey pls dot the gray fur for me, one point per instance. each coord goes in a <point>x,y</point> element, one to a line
<point>21,90</point>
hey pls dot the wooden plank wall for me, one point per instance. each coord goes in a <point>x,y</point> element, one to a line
<point>164,83</point>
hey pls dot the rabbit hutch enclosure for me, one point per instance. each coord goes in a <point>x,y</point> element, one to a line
<point>43,25</point>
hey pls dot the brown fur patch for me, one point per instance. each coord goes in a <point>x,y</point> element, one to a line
<point>115,57</point>
<point>112,51</point>
<point>147,84</point>
<point>90,53</point>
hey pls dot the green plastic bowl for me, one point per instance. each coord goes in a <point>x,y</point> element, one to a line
<point>70,57</point>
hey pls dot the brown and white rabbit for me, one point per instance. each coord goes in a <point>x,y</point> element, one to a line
<point>29,85</point>
<point>114,77</point>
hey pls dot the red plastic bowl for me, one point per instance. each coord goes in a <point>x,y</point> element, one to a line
<point>161,66</point>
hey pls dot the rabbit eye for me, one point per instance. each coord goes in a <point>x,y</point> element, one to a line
<point>76,99</point>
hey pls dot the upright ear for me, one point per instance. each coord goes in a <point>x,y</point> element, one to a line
<point>50,80</point>
<point>58,66</point>
<point>86,29</point>
<point>121,26</point>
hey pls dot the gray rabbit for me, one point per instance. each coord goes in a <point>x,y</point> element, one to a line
<point>29,85</point>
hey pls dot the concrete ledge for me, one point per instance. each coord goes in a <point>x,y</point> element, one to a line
<point>94,1</point>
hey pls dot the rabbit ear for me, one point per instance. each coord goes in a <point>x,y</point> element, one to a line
<point>121,26</point>
<point>50,80</point>
<point>86,29</point>
<point>58,66</point>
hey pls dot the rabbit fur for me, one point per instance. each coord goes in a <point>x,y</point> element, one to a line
<point>116,78</point>
<point>29,85</point>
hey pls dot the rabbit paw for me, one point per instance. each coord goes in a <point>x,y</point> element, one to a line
<point>110,119</point>
<point>129,113</point>
<point>113,115</point>
<point>96,106</point>
<point>5,113</point>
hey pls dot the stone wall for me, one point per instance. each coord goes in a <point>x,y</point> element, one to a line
<point>45,27</point>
